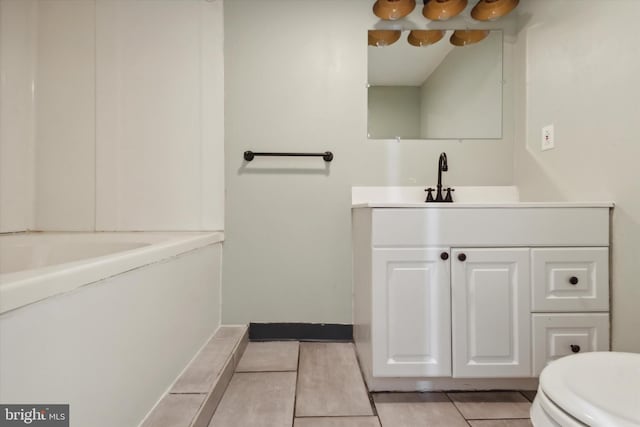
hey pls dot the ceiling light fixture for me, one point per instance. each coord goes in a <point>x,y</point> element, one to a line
<point>393,9</point>
<point>425,37</point>
<point>441,10</point>
<point>490,10</point>
<point>467,37</point>
<point>383,37</point>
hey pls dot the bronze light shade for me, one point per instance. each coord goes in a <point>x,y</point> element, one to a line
<point>490,10</point>
<point>441,10</point>
<point>425,37</point>
<point>467,37</point>
<point>383,37</point>
<point>393,9</point>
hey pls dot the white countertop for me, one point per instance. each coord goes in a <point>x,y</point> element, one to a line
<point>464,197</point>
<point>424,205</point>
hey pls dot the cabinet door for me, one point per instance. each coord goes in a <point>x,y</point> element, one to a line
<point>411,327</point>
<point>490,313</point>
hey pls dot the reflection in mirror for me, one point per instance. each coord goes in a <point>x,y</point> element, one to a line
<point>435,91</point>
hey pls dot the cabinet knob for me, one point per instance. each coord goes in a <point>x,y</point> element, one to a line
<point>444,256</point>
<point>573,280</point>
<point>575,348</point>
<point>462,257</point>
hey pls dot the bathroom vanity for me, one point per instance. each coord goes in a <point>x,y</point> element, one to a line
<point>476,295</point>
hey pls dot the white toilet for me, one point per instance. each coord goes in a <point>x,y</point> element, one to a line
<point>591,389</point>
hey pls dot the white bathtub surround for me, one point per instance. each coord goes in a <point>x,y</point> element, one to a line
<point>159,115</point>
<point>17,59</point>
<point>112,115</point>
<point>113,343</point>
<point>64,123</point>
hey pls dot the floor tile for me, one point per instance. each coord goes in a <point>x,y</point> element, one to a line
<point>529,394</point>
<point>269,356</point>
<point>201,374</point>
<point>501,423</point>
<point>417,409</point>
<point>261,399</point>
<point>337,422</point>
<point>491,404</point>
<point>175,410</point>
<point>330,383</point>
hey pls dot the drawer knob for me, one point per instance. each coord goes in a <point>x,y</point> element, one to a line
<point>575,348</point>
<point>573,280</point>
<point>462,257</point>
<point>444,256</point>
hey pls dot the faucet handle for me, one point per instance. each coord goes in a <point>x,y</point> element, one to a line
<point>448,197</point>
<point>429,194</point>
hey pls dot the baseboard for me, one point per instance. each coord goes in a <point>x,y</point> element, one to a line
<point>300,332</point>
<point>450,384</point>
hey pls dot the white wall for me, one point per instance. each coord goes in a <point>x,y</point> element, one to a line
<point>578,67</point>
<point>17,59</point>
<point>393,111</point>
<point>65,110</point>
<point>462,98</point>
<point>128,120</point>
<point>159,112</point>
<point>303,88</point>
<point>112,348</point>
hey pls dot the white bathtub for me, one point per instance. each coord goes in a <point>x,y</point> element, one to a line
<point>104,321</point>
<point>34,266</point>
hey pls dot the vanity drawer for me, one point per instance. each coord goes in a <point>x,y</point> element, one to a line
<point>562,334</point>
<point>570,279</point>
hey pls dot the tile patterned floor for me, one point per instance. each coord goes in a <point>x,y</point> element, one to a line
<point>329,382</point>
<point>319,385</point>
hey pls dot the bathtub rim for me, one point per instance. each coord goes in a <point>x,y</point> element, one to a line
<point>22,288</point>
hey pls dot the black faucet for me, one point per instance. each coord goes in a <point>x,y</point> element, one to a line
<point>443,166</point>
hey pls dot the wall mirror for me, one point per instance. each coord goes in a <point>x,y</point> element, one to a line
<point>434,90</point>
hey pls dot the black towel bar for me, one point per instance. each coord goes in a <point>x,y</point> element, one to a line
<point>327,155</point>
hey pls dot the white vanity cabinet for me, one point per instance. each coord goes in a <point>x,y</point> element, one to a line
<point>474,291</point>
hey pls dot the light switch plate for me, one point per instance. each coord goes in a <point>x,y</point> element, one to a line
<point>548,141</point>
